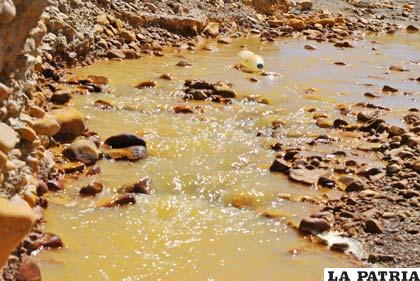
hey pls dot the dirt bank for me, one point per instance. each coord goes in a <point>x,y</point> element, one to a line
<point>79,32</point>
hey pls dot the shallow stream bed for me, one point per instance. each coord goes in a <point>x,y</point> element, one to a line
<point>200,163</point>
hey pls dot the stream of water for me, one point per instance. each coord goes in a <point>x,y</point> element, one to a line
<point>199,163</point>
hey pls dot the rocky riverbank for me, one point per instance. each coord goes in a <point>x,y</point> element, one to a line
<point>39,42</point>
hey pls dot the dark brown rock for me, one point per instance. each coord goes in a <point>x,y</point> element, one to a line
<point>29,270</point>
<point>92,189</point>
<point>377,258</point>
<point>55,185</point>
<point>387,88</point>
<point>373,226</point>
<point>281,166</point>
<point>102,104</point>
<point>146,84</point>
<point>326,182</point>
<point>340,247</point>
<point>119,200</point>
<point>412,28</point>
<point>125,140</point>
<point>82,150</point>
<point>224,90</point>
<point>61,97</point>
<point>51,241</point>
<point>314,225</point>
<point>395,131</point>
<point>115,54</point>
<point>183,109</point>
<point>144,186</point>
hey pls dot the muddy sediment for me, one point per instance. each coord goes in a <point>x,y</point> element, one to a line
<point>380,207</point>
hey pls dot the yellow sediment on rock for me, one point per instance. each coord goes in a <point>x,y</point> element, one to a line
<point>16,221</point>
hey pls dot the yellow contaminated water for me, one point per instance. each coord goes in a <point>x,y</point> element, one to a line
<point>199,163</point>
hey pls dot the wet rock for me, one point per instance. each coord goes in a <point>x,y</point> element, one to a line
<point>183,109</point>
<point>224,90</point>
<point>306,176</point>
<point>224,40</point>
<point>93,171</point>
<point>339,123</point>
<point>340,247</point>
<point>119,200</point>
<point>397,68</point>
<point>29,270</point>
<point>51,241</point>
<point>115,54</point>
<point>197,94</point>
<point>125,140</point>
<point>281,166</point>
<point>102,104</point>
<point>132,153</point>
<point>183,63</point>
<point>71,167</point>
<point>71,121</point>
<point>412,28</point>
<point>310,47</point>
<point>373,226</point>
<point>389,89</point>
<point>98,80</point>
<point>340,63</point>
<point>16,219</point>
<point>146,84</point>
<point>371,95</point>
<point>242,201</point>
<point>82,150</point>
<point>351,183</point>
<point>326,182</point>
<point>41,188</point>
<point>167,77</point>
<point>396,131</point>
<point>8,138</point>
<point>61,97</point>
<point>314,225</point>
<point>325,123</point>
<point>91,189</point>
<point>343,44</point>
<point>46,126</point>
<point>144,186</point>
<point>372,124</point>
<point>55,185</point>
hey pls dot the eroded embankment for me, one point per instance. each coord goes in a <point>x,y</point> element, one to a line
<point>79,32</point>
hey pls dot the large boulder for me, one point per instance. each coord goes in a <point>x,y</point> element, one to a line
<point>72,123</point>
<point>16,221</point>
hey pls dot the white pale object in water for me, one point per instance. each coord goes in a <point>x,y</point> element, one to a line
<point>251,61</point>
